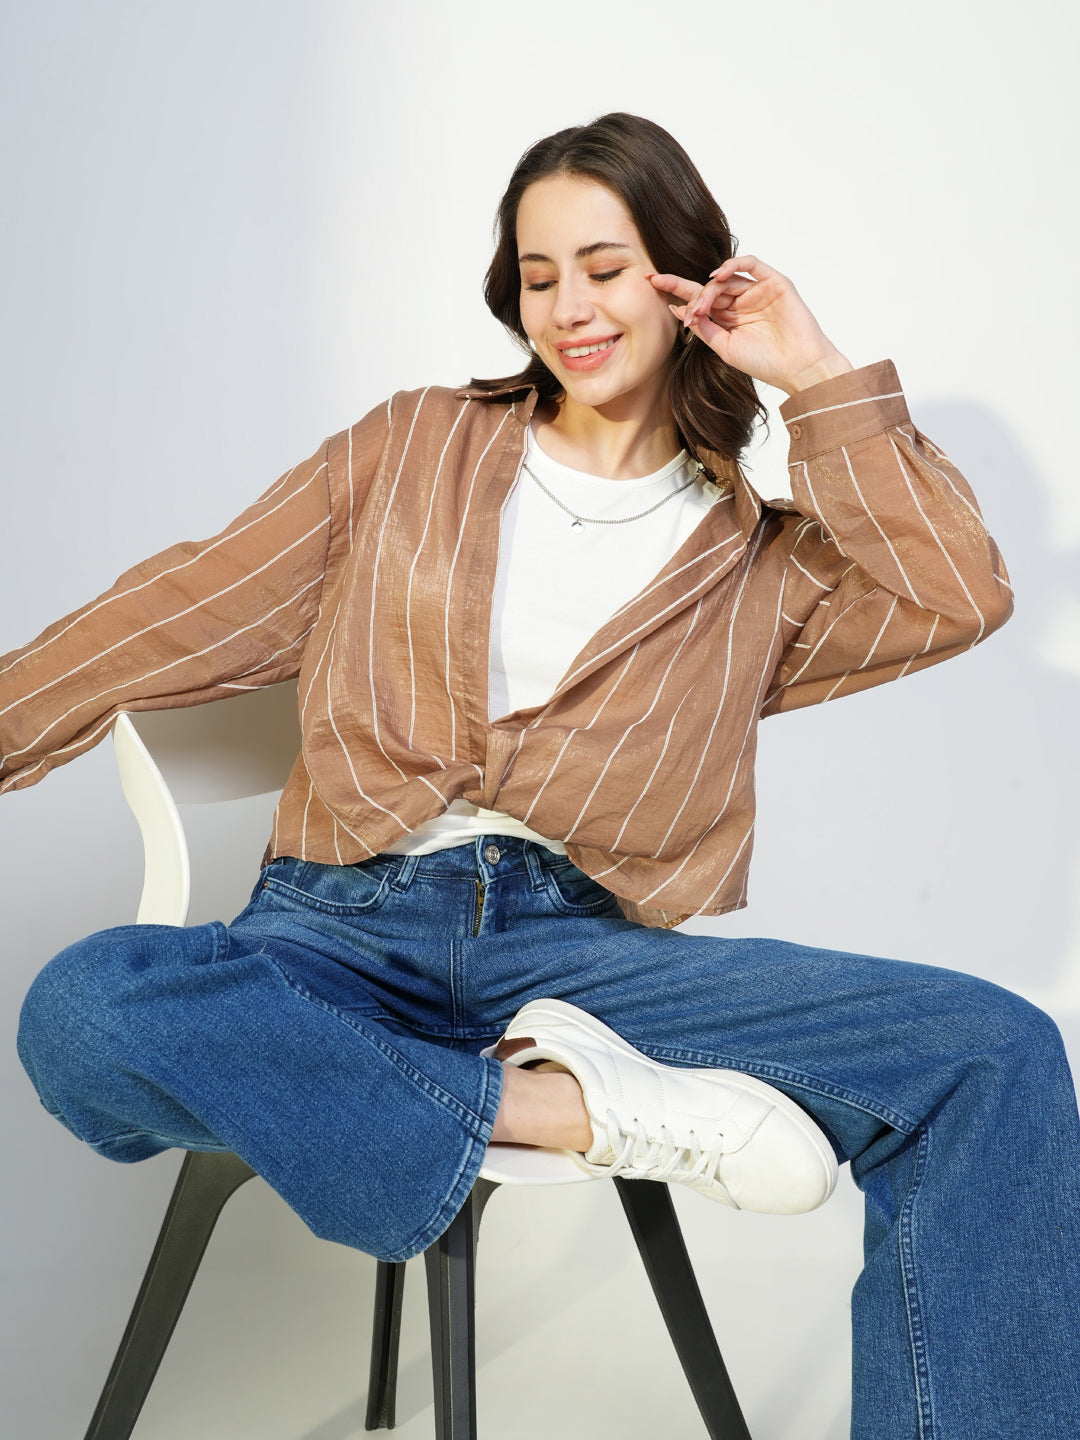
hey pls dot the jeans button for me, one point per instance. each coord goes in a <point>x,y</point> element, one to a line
<point>492,854</point>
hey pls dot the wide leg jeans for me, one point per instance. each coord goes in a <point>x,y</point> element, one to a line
<point>331,1035</point>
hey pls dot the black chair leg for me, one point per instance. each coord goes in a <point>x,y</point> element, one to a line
<point>385,1336</point>
<point>207,1179</point>
<point>656,1229</point>
<point>451,1275</point>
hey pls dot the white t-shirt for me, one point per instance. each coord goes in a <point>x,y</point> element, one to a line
<point>556,584</point>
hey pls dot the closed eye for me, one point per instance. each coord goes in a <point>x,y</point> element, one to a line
<point>608,275</point>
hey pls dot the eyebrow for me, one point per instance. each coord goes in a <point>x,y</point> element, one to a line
<point>582,254</point>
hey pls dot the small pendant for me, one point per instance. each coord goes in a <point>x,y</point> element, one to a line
<point>577,525</point>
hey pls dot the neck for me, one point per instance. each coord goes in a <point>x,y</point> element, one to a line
<point>602,441</point>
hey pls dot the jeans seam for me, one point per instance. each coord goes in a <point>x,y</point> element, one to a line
<point>457,999</point>
<point>912,1300</point>
<point>169,1141</point>
<point>470,1118</point>
<point>812,1083</point>
<point>331,908</point>
<point>221,945</point>
<point>406,872</point>
<point>463,1180</point>
<point>535,869</point>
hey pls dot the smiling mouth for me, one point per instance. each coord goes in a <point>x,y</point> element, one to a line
<point>575,352</point>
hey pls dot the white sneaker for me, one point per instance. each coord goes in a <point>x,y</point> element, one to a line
<point>727,1135</point>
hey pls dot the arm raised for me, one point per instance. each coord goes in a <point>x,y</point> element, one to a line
<point>891,568</point>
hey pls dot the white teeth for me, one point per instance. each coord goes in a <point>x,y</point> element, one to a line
<point>578,350</point>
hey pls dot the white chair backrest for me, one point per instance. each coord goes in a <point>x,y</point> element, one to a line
<point>225,750</point>
<point>245,745</point>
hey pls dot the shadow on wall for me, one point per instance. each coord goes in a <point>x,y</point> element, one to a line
<point>1024,736</point>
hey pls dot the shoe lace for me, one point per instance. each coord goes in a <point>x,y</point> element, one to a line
<point>661,1157</point>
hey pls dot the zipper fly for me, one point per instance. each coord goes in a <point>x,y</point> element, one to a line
<point>481,890</point>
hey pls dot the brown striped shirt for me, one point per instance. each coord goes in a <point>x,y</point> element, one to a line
<point>368,571</point>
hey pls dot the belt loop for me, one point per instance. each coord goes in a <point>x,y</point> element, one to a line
<point>404,878</point>
<point>534,866</point>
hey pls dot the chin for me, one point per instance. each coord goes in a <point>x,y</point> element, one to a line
<point>594,390</point>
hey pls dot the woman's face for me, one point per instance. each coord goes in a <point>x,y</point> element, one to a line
<point>595,321</point>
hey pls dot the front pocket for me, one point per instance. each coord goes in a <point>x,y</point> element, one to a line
<point>572,892</point>
<point>330,889</point>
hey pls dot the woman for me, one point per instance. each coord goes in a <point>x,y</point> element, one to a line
<point>535,622</point>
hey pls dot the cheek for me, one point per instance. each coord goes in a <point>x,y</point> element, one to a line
<point>650,316</point>
<point>531,310</point>
<point>662,326</point>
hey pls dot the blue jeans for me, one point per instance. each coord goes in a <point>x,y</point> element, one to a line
<point>331,1034</point>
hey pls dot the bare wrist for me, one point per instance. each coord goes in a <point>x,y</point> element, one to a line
<point>827,368</point>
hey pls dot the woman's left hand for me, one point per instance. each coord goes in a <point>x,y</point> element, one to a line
<point>755,319</point>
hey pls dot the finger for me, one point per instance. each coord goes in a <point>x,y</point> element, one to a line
<point>703,326</point>
<point>716,295</point>
<point>685,314</point>
<point>746,264</point>
<point>701,302</point>
<point>719,295</point>
<point>728,295</point>
<point>673,285</point>
<point>737,285</point>
<point>713,335</point>
<point>681,313</point>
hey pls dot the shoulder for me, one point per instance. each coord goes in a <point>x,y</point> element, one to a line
<point>438,414</point>
<point>431,409</point>
<point>421,422</point>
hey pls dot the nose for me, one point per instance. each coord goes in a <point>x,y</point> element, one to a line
<point>573,305</point>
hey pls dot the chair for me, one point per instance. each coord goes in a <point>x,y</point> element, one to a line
<point>246,747</point>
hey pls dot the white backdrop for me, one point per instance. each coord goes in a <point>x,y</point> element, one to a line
<point>232,227</point>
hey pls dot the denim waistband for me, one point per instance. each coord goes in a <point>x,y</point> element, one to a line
<point>487,858</point>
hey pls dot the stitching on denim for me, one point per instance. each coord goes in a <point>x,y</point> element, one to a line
<point>462,1185</point>
<point>169,1141</point>
<point>459,1192</point>
<point>406,873</point>
<point>327,907</point>
<point>221,949</point>
<point>912,1300</point>
<point>572,907</point>
<point>457,998</point>
<point>535,868</point>
<point>418,1078</point>
<point>812,1083</point>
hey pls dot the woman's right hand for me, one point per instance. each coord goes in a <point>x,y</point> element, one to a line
<point>755,319</point>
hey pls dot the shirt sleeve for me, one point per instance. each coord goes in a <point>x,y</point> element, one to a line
<point>197,622</point>
<point>890,566</point>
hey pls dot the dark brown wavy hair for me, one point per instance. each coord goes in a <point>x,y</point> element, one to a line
<point>685,233</point>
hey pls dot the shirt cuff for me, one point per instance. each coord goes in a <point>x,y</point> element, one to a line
<point>843,410</point>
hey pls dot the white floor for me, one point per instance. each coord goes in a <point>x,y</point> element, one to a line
<point>273,1343</point>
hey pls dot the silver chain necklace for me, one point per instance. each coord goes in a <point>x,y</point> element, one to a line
<point>580,521</point>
